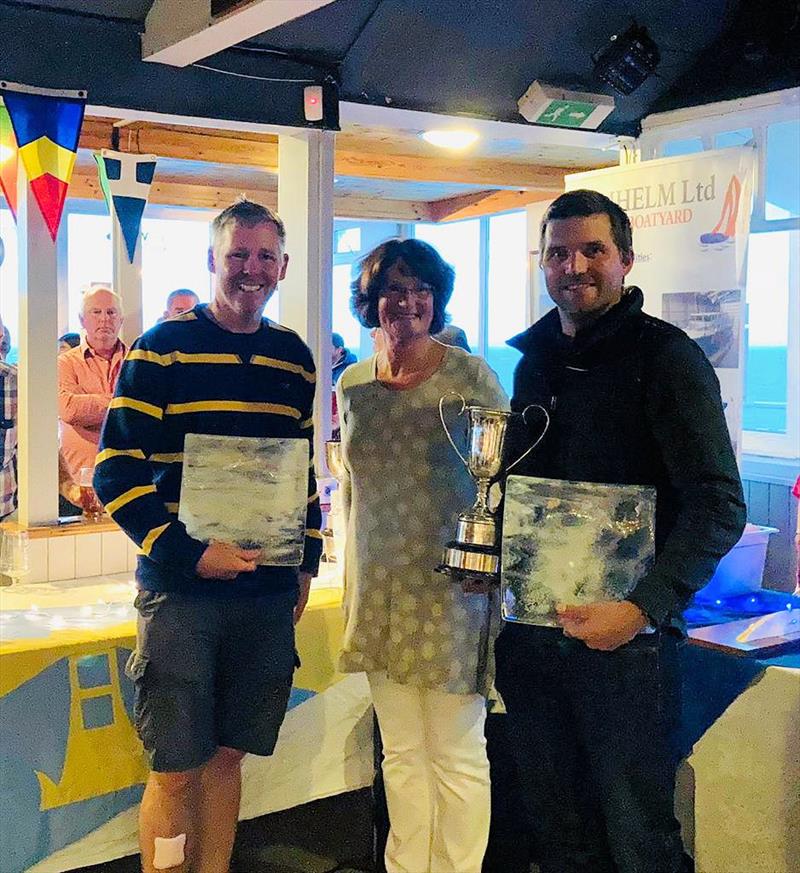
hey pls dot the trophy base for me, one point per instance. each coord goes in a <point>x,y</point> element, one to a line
<point>468,559</point>
<point>461,576</point>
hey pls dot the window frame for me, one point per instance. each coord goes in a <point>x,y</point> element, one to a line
<point>706,122</point>
<point>387,229</point>
<point>85,206</point>
<point>484,272</point>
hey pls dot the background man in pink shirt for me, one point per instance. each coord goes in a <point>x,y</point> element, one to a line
<point>87,376</point>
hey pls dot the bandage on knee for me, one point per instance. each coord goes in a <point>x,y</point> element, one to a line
<point>169,852</point>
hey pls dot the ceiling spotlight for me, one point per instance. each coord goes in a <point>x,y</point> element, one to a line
<point>450,139</point>
<point>627,60</point>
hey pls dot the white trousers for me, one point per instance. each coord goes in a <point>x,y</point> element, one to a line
<point>436,776</point>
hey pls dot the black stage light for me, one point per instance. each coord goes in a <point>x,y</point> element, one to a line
<point>628,60</point>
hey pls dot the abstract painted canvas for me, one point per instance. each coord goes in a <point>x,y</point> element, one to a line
<point>247,490</point>
<point>571,543</point>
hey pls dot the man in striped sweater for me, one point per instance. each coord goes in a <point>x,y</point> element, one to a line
<point>215,649</point>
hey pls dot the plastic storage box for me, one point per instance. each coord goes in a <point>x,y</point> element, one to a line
<point>742,569</point>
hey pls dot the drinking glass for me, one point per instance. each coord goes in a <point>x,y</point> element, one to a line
<point>14,554</point>
<point>92,507</point>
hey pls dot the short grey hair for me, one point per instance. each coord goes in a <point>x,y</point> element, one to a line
<point>250,214</point>
<point>95,289</point>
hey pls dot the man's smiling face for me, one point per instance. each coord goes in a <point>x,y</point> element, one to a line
<point>583,268</point>
<point>248,263</point>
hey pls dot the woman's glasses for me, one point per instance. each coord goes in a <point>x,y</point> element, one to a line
<point>398,292</point>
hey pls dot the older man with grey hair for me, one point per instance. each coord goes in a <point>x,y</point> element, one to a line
<point>87,377</point>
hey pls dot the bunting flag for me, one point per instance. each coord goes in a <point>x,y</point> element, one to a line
<point>9,159</point>
<point>125,180</point>
<point>47,125</point>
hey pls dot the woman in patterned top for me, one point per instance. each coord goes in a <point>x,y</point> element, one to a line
<point>421,639</point>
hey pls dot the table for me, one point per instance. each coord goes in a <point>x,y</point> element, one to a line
<point>738,794</point>
<point>71,767</point>
<point>738,788</point>
<point>66,801</point>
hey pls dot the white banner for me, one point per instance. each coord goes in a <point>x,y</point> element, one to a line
<point>691,222</point>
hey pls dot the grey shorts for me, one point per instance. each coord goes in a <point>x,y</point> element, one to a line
<point>210,673</point>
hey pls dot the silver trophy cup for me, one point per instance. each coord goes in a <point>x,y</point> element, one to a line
<point>333,459</point>
<point>333,536</point>
<point>475,551</point>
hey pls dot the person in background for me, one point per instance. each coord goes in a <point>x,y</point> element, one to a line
<point>5,343</point>
<point>179,301</point>
<point>215,651</point>
<point>87,377</point>
<point>8,435</point>
<point>376,335</point>
<point>341,357</point>
<point>68,341</point>
<point>421,638</point>
<point>593,705</point>
<point>451,335</point>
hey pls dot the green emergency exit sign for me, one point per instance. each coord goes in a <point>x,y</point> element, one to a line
<point>566,113</point>
<point>545,104</point>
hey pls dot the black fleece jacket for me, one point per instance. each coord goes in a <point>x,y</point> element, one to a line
<point>633,400</point>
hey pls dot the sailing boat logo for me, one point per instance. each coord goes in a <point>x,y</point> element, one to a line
<point>724,230</point>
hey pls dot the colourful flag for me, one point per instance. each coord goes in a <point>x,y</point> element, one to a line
<point>9,158</point>
<point>125,180</point>
<point>47,125</point>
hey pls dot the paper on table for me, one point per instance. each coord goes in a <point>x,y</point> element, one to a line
<point>247,490</point>
<point>570,543</point>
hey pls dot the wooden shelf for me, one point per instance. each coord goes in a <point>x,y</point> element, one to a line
<point>72,528</point>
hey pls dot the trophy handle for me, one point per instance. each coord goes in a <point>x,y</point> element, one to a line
<point>541,435</point>
<point>441,418</point>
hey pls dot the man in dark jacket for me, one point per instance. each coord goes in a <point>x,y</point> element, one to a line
<point>592,704</point>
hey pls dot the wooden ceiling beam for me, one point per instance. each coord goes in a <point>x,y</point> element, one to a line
<point>385,210</point>
<point>246,150</point>
<point>261,151</point>
<point>179,33</point>
<point>177,193</point>
<point>478,171</point>
<point>484,203</point>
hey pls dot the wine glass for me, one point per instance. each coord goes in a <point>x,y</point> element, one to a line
<point>14,554</point>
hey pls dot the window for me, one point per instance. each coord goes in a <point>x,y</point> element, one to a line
<point>730,138</point>
<point>174,255</point>
<point>489,302</point>
<point>342,320</point>
<point>771,259</point>
<point>771,408</point>
<point>682,147</point>
<point>506,294</point>
<point>459,244</point>
<point>347,240</point>
<point>9,292</point>
<point>352,240</point>
<point>89,258</point>
<point>783,171</point>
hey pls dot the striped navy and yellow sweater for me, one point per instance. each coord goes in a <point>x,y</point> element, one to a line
<point>188,375</point>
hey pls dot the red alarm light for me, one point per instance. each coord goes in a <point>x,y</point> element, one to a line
<point>312,102</point>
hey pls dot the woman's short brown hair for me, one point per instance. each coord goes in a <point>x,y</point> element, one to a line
<point>422,261</point>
